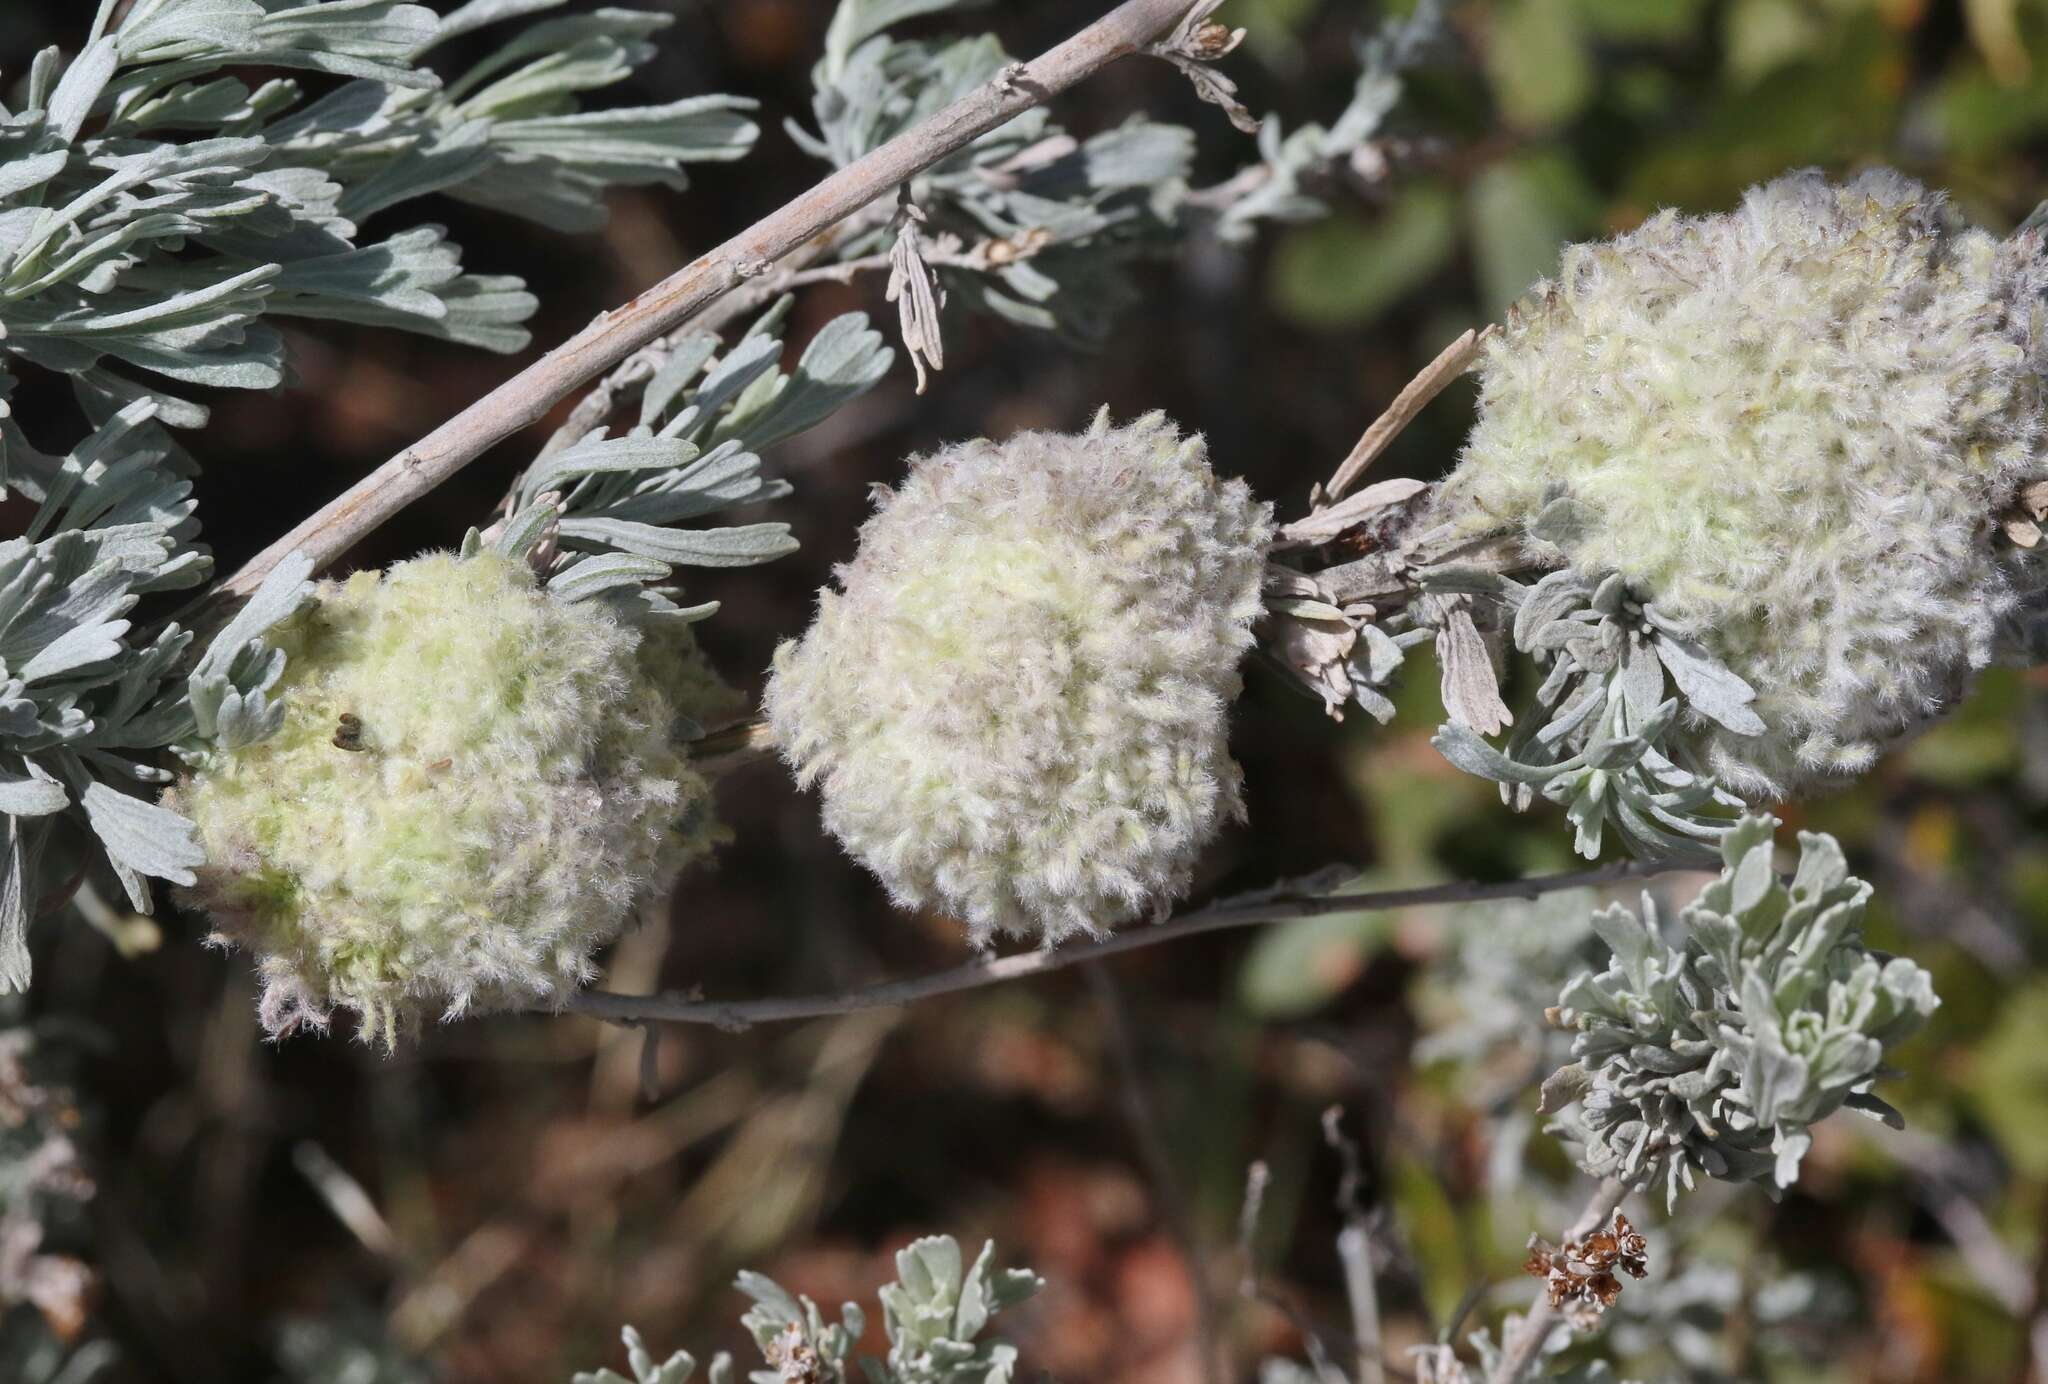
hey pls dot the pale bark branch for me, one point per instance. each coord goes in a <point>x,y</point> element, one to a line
<point>792,271</point>
<point>1268,906</point>
<point>1354,1250</point>
<point>797,269</point>
<point>526,397</point>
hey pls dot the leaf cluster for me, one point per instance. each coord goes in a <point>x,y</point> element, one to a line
<point>86,710</point>
<point>599,517</point>
<point>934,1315</point>
<point>1716,1053</point>
<point>155,209</point>
<point>1052,221</point>
<point>1285,186</point>
<point>1607,736</point>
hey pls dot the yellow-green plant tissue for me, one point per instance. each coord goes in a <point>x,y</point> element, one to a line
<point>1015,706</point>
<point>474,788</point>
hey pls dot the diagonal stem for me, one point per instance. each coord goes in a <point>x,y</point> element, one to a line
<point>526,397</point>
<point>1297,900</point>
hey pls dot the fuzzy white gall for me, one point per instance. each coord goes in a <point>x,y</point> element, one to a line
<point>474,788</point>
<point>1794,428</point>
<point>1015,706</point>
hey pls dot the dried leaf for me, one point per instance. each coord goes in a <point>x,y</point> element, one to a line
<point>1198,41</point>
<point>1324,524</point>
<point>918,297</point>
<point>1471,689</point>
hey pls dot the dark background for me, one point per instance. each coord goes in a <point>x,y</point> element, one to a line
<point>537,1201</point>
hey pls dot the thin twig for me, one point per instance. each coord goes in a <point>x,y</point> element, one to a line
<point>1450,363</point>
<point>526,397</point>
<point>1522,1350</point>
<point>351,1204</point>
<point>1152,1147</point>
<point>434,1303</point>
<point>1362,171</point>
<point>650,1063</point>
<point>1354,1250</point>
<point>1257,1178</point>
<point>1267,906</point>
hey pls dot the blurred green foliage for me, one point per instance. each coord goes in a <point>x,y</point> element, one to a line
<point>1583,116</point>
